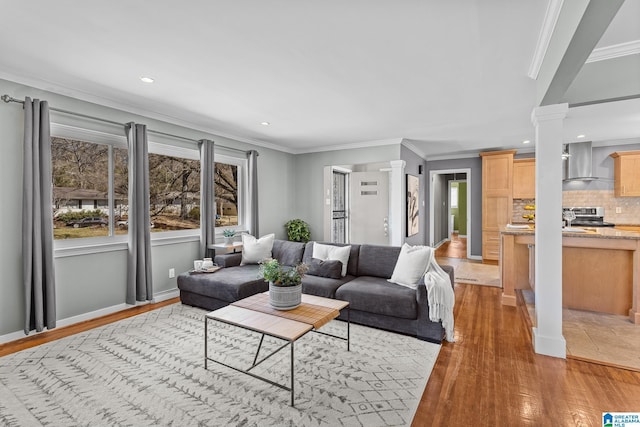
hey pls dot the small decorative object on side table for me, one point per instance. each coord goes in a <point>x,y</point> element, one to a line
<point>285,284</point>
<point>228,234</point>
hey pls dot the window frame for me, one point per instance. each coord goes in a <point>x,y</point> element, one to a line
<point>112,242</point>
<point>113,136</point>
<point>243,197</point>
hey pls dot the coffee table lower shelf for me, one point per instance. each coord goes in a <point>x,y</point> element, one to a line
<point>271,325</point>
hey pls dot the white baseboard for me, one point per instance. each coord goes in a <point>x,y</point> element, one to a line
<point>159,297</point>
<point>11,336</point>
<point>165,295</point>
<point>475,257</point>
<point>440,243</point>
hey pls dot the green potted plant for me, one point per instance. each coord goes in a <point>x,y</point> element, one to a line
<point>298,230</point>
<point>228,235</point>
<point>285,283</point>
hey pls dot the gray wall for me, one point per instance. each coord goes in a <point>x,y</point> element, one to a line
<point>91,282</point>
<point>474,191</point>
<point>602,164</point>
<point>308,182</point>
<point>413,161</point>
<point>439,209</point>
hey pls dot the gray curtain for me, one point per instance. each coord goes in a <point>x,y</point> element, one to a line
<point>252,219</point>
<point>37,219</point>
<point>139,283</point>
<point>207,198</point>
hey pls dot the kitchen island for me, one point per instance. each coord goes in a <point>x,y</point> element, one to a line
<point>600,269</point>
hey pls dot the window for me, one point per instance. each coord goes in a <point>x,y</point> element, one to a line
<point>230,188</point>
<point>174,189</point>
<point>339,208</point>
<point>226,188</point>
<point>90,187</point>
<point>454,195</point>
<point>84,199</point>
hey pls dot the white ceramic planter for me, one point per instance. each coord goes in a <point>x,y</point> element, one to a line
<point>284,297</point>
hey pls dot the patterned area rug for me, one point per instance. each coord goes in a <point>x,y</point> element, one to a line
<point>148,371</point>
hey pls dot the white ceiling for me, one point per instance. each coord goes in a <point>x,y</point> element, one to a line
<point>449,77</point>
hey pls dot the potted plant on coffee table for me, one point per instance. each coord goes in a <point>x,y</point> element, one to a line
<point>285,283</point>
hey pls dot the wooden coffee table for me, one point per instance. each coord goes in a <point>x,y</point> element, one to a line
<point>255,314</point>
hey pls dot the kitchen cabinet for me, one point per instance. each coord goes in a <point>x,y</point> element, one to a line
<point>497,200</point>
<point>524,179</point>
<point>588,282</point>
<point>626,172</point>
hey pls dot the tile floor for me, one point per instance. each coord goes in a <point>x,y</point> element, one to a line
<point>606,338</point>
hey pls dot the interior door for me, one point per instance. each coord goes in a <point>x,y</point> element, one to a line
<point>369,195</point>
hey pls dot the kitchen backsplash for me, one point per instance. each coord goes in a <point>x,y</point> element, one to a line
<point>629,206</point>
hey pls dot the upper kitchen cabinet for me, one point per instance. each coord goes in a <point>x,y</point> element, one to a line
<point>524,179</point>
<point>626,173</point>
<point>497,199</point>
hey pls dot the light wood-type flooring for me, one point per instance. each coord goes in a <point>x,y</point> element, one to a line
<point>489,377</point>
<point>492,377</point>
<point>454,248</point>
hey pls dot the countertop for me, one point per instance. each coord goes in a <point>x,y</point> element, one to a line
<point>590,232</point>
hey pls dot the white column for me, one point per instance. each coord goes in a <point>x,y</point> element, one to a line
<point>397,203</point>
<point>547,335</point>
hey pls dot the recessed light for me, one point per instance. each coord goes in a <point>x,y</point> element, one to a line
<point>265,123</point>
<point>146,79</point>
<point>580,136</point>
<point>526,141</point>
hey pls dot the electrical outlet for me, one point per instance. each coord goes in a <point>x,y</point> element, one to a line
<point>172,273</point>
<point>618,209</point>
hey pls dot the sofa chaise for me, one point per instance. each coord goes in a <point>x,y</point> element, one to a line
<point>373,300</point>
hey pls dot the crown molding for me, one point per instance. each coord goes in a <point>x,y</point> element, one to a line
<point>544,38</point>
<point>614,51</point>
<point>414,148</point>
<point>336,147</point>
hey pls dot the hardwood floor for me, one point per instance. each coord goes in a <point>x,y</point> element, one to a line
<point>64,331</point>
<point>454,248</point>
<point>490,376</point>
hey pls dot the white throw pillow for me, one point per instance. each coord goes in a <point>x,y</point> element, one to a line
<point>256,250</point>
<point>411,265</point>
<point>340,253</point>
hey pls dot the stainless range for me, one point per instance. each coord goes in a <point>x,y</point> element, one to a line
<point>588,217</point>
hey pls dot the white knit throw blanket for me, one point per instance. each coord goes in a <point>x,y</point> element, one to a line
<point>440,296</point>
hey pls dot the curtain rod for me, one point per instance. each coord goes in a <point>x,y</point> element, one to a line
<point>6,98</point>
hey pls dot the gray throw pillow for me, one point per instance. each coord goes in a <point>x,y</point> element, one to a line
<point>330,268</point>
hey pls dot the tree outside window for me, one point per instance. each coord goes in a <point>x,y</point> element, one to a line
<point>90,188</point>
<point>226,189</point>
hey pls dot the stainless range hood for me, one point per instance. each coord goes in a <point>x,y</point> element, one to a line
<point>578,164</point>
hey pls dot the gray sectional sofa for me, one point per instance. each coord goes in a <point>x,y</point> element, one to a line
<point>372,299</point>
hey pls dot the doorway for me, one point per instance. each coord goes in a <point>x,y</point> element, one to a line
<point>450,206</point>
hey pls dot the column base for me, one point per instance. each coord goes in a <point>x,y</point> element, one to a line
<point>634,316</point>
<point>549,346</point>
